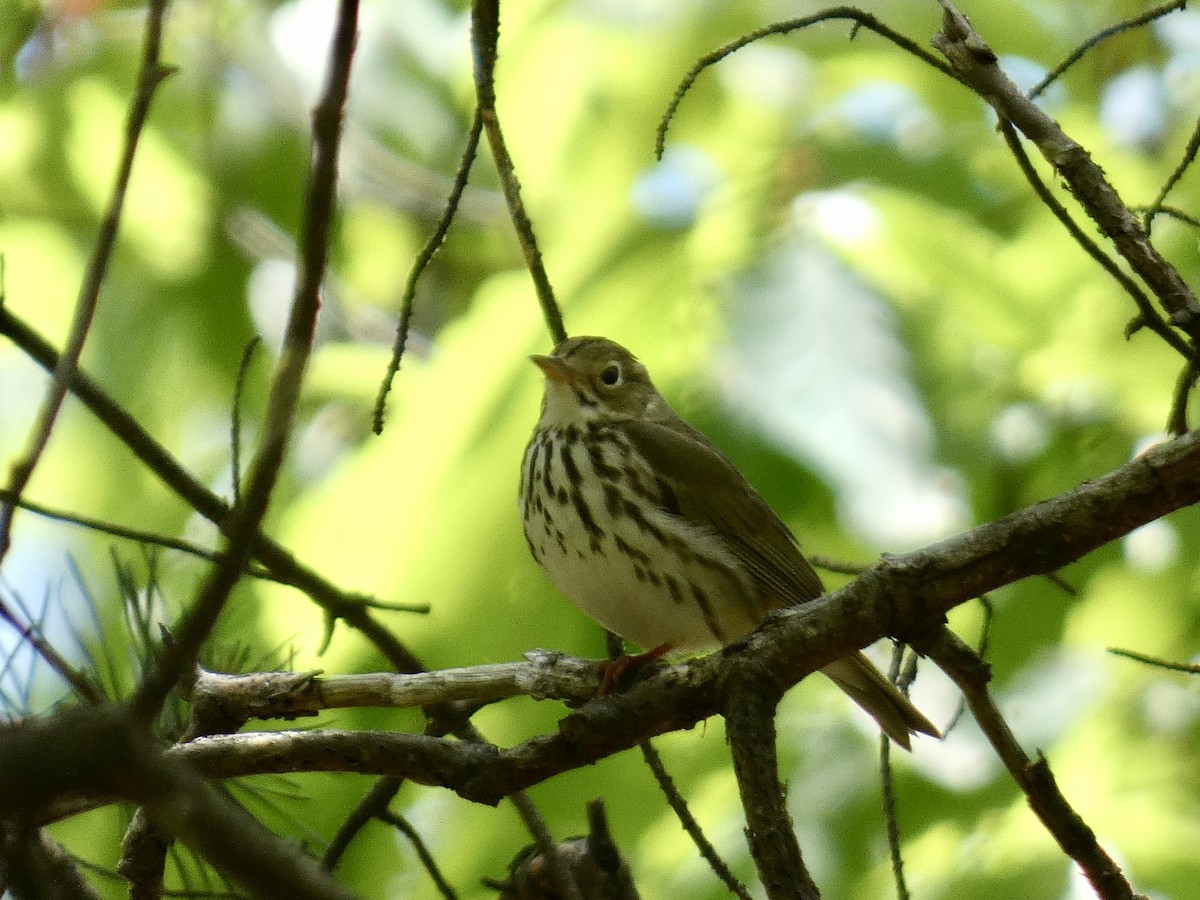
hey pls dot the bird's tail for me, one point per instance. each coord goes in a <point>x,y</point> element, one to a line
<point>867,687</point>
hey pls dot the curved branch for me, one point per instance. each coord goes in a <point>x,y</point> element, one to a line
<point>860,18</point>
<point>1100,37</point>
<point>422,262</point>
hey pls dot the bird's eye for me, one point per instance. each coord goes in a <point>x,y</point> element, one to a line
<point>611,375</point>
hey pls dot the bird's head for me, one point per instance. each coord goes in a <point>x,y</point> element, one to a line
<point>590,379</point>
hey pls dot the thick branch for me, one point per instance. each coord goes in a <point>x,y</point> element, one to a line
<point>100,749</point>
<point>750,698</point>
<point>900,595</point>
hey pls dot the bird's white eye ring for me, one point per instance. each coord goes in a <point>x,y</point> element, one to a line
<point>611,375</point>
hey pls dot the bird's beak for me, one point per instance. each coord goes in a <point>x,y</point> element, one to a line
<point>555,369</point>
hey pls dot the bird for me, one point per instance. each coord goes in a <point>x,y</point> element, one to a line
<point>645,525</point>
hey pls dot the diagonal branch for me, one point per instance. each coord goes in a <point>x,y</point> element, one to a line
<point>485,35</point>
<point>974,63</point>
<point>285,388</point>
<point>1034,777</point>
<point>337,603</point>
<point>150,77</point>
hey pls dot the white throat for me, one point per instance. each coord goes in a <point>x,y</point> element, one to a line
<point>562,407</point>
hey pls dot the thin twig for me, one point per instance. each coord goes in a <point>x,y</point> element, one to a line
<point>1189,668</point>
<point>840,566</point>
<point>422,262</point>
<point>80,683</point>
<point>200,619</point>
<point>1034,777</point>
<point>372,806</point>
<point>235,418</point>
<point>151,75</point>
<point>860,18</point>
<point>1172,212</point>
<point>337,603</point>
<point>405,827</point>
<point>485,29</point>
<point>124,532</point>
<point>667,785</point>
<point>1185,162</point>
<point>1098,38</point>
<point>1177,422</point>
<point>889,790</point>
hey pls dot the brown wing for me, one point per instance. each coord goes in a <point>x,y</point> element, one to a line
<point>711,492</point>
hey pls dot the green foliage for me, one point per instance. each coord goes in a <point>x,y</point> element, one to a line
<point>1012,368</point>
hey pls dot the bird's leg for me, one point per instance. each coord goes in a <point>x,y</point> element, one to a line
<point>613,671</point>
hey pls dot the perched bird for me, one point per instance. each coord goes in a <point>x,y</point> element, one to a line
<point>649,529</point>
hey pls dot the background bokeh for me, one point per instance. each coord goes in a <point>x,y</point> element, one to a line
<point>837,271</point>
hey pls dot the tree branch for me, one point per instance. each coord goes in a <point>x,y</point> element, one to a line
<point>151,75</point>
<point>1034,777</point>
<point>485,35</point>
<point>901,595</point>
<point>247,515</point>
<point>749,698</point>
<point>974,62</point>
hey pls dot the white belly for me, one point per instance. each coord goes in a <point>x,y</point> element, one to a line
<point>623,566</point>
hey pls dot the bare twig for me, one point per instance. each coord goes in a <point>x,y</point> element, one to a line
<point>1172,212</point>
<point>83,686</point>
<point>1100,37</point>
<point>148,538</point>
<point>372,806</point>
<point>1158,663</point>
<point>1177,420</point>
<point>405,827</point>
<point>1185,162</point>
<point>235,418</point>
<point>840,566</point>
<point>485,29</point>
<point>337,603</point>
<point>667,785</point>
<point>422,262</point>
<point>1034,777</point>
<point>860,18</point>
<point>150,77</point>
<point>889,790</point>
